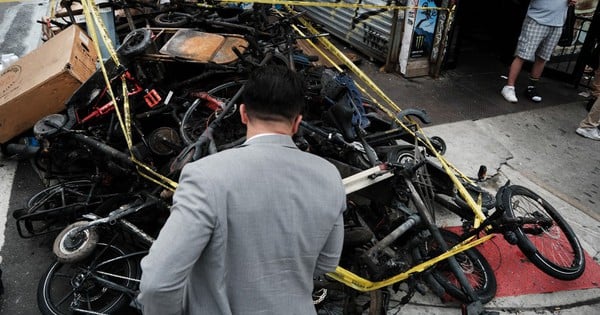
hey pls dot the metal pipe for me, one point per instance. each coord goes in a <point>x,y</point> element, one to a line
<point>411,221</point>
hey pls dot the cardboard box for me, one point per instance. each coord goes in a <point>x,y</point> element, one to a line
<point>39,83</point>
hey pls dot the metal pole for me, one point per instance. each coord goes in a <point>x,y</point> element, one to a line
<point>391,62</point>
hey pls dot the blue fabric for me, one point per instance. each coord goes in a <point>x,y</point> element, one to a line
<point>353,98</point>
<point>548,12</point>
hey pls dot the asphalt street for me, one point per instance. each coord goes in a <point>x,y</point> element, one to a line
<point>22,262</point>
<point>18,37</point>
<point>20,31</point>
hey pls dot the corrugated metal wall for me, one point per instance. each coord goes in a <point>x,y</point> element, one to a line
<point>368,30</point>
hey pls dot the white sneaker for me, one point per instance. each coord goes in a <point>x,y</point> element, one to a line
<point>590,133</point>
<point>509,93</point>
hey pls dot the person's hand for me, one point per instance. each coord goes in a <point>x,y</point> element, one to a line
<point>572,2</point>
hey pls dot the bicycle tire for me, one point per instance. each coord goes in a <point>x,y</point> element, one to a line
<point>87,241</point>
<point>439,144</point>
<point>172,19</point>
<point>78,284</point>
<point>136,42</point>
<point>59,205</point>
<point>443,185</point>
<point>193,120</point>
<point>542,244</point>
<point>476,268</point>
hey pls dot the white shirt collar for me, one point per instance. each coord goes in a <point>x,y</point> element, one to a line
<point>262,135</point>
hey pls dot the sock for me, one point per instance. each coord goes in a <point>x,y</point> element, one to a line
<point>532,82</point>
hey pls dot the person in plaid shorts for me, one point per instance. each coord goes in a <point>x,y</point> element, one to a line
<point>540,33</point>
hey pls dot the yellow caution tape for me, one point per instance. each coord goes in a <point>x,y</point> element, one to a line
<point>362,76</point>
<point>93,16</point>
<point>52,8</point>
<point>450,169</point>
<point>91,11</point>
<point>364,285</point>
<point>340,274</point>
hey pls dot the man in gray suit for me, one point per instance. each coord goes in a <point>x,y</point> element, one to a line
<point>251,226</point>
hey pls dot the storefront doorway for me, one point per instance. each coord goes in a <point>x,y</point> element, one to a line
<point>486,33</point>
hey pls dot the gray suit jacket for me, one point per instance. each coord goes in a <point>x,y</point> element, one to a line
<point>248,230</point>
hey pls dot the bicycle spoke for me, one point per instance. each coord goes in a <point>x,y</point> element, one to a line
<point>549,240</point>
<point>64,299</point>
<point>117,276</point>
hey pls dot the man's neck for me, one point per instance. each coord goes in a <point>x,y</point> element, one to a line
<point>269,127</point>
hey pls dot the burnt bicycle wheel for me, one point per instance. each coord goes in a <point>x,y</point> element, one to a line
<point>172,19</point>
<point>545,237</point>
<point>478,271</point>
<point>56,206</point>
<point>136,42</point>
<point>101,284</point>
<point>198,116</point>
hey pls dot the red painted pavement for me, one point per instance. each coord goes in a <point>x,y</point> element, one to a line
<point>516,275</point>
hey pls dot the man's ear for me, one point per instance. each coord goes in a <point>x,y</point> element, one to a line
<point>243,114</point>
<point>296,124</point>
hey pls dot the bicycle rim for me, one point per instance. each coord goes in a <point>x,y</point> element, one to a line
<point>171,19</point>
<point>551,245</point>
<point>198,117</point>
<point>58,205</point>
<point>72,288</point>
<point>477,270</point>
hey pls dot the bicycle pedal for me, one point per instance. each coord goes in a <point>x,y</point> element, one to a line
<point>152,98</point>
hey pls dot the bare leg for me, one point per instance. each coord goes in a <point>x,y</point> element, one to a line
<point>515,69</point>
<point>538,68</point>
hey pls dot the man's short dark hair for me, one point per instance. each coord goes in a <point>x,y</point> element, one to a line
<point>274,92</point>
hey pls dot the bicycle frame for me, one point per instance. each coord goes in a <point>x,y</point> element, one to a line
<point>352,183</point>
<point>152,98</point>
<point>364,179</point>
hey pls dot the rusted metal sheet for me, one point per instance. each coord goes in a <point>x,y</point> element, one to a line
<point>203,47</point>
<point>226,54</point>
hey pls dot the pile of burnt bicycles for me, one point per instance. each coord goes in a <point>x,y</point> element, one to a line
<point>115,154</point>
